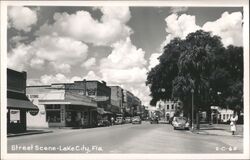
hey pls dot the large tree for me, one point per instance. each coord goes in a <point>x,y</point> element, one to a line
<point>160,77</point>
<point>199,63</point>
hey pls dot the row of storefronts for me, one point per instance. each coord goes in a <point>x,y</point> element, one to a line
<point>78,104</point>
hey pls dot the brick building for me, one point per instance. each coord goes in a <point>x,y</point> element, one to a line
<point>17,102</point>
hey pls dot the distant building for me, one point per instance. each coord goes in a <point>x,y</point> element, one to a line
<point>167,108</point>
<point>137,106</point>
<point>116,99</point>
<point>128,102</point>
<point>219,115</point>
<point>17,102</point>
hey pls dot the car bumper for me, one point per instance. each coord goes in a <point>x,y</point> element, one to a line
<point>136,122</point>
<point>181,127</point>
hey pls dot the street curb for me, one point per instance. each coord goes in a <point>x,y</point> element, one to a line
<point>29,133</point>
<point>203,133</point>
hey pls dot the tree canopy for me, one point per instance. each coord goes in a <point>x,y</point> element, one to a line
<point>200,63</point>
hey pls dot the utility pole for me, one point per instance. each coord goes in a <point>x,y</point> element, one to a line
<point>192,91</point>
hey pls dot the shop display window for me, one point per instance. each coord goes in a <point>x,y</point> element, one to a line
<point>53,113</point>
<point>53,116</point>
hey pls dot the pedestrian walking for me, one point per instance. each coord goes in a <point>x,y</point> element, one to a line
<point>233,120</point>
<point>112,121</point>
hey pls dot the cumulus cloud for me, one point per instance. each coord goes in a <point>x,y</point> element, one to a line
<point>125,64</point>
<point>19,57</point>
<point>61,78</point>
<point>21,18</point>
<point>89,63</point>
<point>130,75</point>
<point>82,26</point>
<point>49,79</point>
<point>59,52</point>
<point>124,55</point>
<point>179,26</point>
<point>91,75</point>
<point>228,27</point>
<point>153,60</point>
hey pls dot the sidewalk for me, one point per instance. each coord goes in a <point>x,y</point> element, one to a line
<point>29,132</point>
<point>219,130</point>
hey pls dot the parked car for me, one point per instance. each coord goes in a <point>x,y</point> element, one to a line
<point>119,120</point>
<point>180,123</point>
<point>103,123</point>
<point>154,120</point>
<point>128,120</point>
<point>136,120</point>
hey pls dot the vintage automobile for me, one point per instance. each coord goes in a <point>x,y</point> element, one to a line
<point>119,120</point>
<point>103,123</point>
<point>136,120</point>
<point>180,123</point>
<point>128,120</point>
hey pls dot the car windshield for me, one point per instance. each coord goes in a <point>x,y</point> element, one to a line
<point>181,119</point>
<point>137,117</point>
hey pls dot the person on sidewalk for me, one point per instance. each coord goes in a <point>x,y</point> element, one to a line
<point>233,120</point>
<point>112,121</point>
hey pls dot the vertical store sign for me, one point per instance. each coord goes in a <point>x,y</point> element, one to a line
<point>62,113</point>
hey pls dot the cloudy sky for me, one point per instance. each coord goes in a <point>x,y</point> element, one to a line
<point>116,44</point>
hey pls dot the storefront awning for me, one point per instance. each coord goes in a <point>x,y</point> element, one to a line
<point>60,97</point>
<point>21,104</point>
<point>107,112</point>
<point>68,102</point>
<point>100,111</point>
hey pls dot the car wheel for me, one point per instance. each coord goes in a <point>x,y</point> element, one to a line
<point>174,128</point>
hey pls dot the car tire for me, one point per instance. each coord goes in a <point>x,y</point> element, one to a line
<point>174,128</point>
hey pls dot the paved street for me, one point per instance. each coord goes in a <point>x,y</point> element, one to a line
<point>128,138</point>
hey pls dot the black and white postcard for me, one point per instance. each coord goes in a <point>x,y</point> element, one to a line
<point>125,79</point>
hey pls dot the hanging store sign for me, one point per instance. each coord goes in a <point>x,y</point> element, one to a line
<point>33,112</point>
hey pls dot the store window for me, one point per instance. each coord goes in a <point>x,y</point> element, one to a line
<point>53,113</point>
<point>53,117</point>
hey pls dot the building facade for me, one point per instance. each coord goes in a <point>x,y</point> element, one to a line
<point>116,100</point>
<point>17,102</point>
<point>128,103</point>
<point>220,115</point>
<point>168,108</point>
<point>100,92</point>
<point>61,105</point>
<point>137,106</point>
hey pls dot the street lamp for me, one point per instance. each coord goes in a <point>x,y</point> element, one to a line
<point>192,91</point>
<point>219,100</point>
